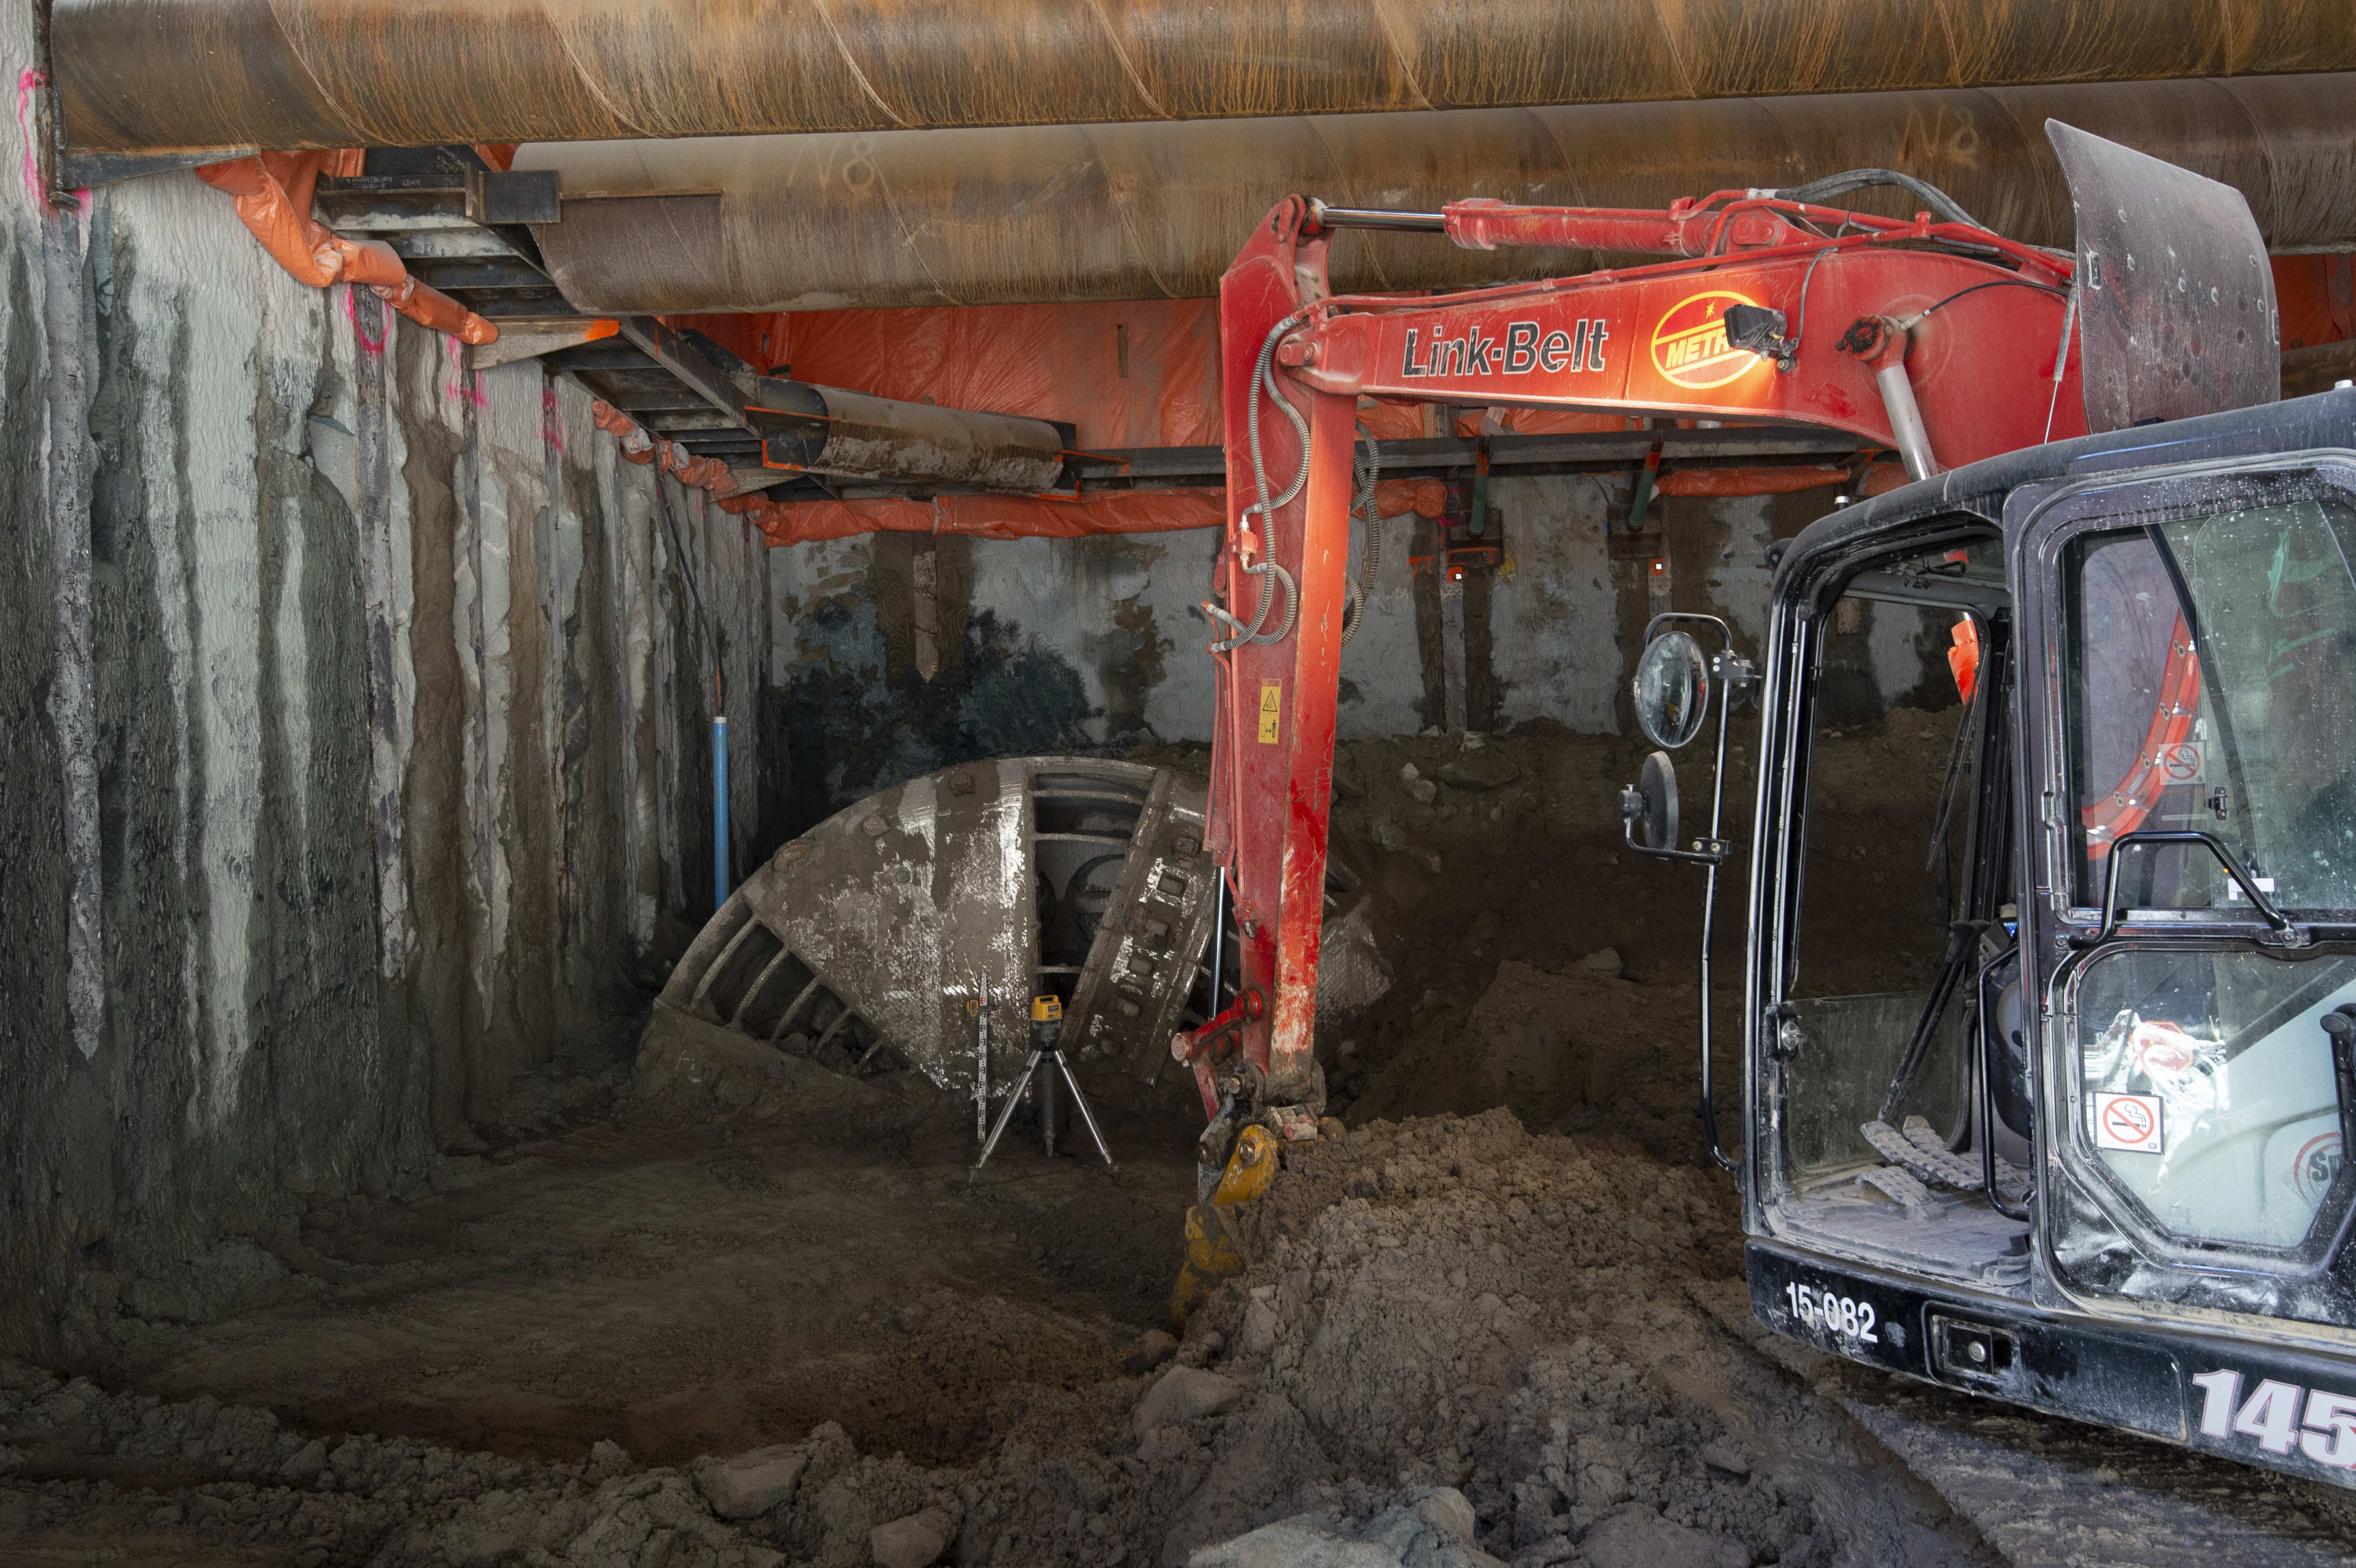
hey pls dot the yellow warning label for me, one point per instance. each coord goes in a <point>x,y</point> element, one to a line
<point>1271,709</point>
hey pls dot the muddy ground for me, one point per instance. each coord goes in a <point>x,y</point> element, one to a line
<point>722,1310</point>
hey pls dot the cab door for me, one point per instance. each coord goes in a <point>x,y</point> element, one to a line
<point>2188,704</point>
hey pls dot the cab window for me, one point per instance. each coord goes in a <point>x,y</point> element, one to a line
<point>2212,689</point>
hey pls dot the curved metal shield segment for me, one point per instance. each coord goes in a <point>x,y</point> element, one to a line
<point>864,943</point>
<point>2175,295</point>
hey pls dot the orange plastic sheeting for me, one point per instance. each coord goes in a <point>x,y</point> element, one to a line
<point>2316,298</point>
<point>272,193</point>
<point>1541,421</point>
<point>1141,373</point>
<point>1772,480</point>
<point>1396,421</point>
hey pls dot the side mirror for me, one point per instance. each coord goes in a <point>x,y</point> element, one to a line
<point>1650,805</point>
<point>1672,690</point>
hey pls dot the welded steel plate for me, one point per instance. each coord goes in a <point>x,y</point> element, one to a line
<point>2176,296</point>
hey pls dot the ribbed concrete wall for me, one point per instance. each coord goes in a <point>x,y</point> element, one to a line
<point>1094,644</point>
<point>353,746</point>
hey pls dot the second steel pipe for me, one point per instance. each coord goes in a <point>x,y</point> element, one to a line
<point>1108,212</point>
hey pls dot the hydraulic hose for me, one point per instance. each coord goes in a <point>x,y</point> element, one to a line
<point>1931,196</point>
<point>1368,462</point>
<point>1264,380</point>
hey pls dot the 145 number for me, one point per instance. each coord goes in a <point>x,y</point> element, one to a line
<point>2279,1415</point>
<point>1842,1314</point>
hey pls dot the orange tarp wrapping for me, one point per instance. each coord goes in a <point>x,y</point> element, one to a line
<point>272,193</point>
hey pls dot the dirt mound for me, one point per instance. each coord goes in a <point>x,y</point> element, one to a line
<point>1451,1308</point>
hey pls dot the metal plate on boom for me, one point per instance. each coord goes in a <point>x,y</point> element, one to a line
<point>2176,296</point>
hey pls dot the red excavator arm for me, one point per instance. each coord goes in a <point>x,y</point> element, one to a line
<point>1933,336</point>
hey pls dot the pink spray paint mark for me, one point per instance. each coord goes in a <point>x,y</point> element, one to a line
<point>461,383</point>
<point>352,310</point>
<point>28,82</point>
<point>552,424</point>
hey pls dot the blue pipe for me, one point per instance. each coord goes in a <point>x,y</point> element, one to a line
<point>719,810</point>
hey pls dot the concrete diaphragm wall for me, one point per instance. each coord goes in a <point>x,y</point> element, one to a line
<point>354,740</point>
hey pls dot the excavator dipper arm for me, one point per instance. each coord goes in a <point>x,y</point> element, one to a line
<point>1933,338</point>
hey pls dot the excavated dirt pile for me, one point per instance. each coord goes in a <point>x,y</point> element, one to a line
<point>1456,1342</point>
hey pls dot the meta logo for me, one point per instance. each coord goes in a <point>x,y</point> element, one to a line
<point>1689,345</point>
<point>1526,346</point>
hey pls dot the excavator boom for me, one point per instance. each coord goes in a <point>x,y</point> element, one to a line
<point>1931,337</point>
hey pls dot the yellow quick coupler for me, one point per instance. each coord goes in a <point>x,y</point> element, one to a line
<point>1212,1255</point>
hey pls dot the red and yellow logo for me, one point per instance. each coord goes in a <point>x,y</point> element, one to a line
<point>1689,344</point>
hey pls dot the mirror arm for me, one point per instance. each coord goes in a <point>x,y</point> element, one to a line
<point>1714,853</point>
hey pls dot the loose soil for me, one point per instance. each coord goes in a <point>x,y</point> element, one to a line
<point>1501,1318</point>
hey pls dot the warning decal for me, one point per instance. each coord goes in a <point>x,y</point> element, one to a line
<point>1271,709</point>
<point>2130,1122</point>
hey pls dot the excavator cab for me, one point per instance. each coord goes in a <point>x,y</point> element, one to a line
<point>2056,1110</point>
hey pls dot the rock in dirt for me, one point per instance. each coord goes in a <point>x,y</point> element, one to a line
<point>915,1542</point>
<point>307,1463</point>
<point>608,1459</point>
<point>752,1484</point>
<point>1483,769</point>
<point>1447,1508</point>
<point>1152,1347</point>
<point>1259,1329</point>
<point>1726,1456</point>
<point>1185,1393</point>
<point>1398,1537</point>
<point>1637,1537</point>
<point>1604,961</point>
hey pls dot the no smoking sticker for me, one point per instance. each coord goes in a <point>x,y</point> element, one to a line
<point>2182,762</point>
<point>2130,1122</point>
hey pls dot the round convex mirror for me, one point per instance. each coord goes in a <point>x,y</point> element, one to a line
<point>1657,827</point>
<point>1672,689</point>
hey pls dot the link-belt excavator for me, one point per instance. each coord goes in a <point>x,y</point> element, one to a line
<point>2089,1155</point>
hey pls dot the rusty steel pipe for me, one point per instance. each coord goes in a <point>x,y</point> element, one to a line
<point>148,75</point>
<point>1109,212</point>
<point>856,436</point>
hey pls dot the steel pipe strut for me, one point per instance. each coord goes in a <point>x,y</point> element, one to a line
<point>139,75</point>
<point>1108,212</point>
